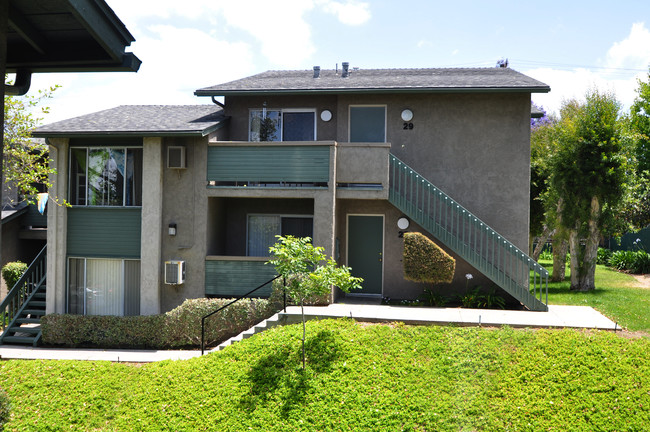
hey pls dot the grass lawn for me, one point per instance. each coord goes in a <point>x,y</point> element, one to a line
<point>359,378</point>
<point>617,295</point>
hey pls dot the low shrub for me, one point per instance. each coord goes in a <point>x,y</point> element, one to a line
<point>425,261</point>
<point>604,255</point>
<point>492,300</point>
<point>12,272</point>
<point>472,298</point>
<point>178,328</point>
<point>641,263</point>
<point>4,409</point>
<point>622,260</point>
<point>546,255</point>
<point>477,298</point>
<point>637,262</point>
<point>432,298</point>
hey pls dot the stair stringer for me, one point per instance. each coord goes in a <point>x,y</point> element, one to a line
<point>466,235</point>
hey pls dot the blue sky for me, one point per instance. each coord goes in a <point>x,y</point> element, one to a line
<point>189,44</point>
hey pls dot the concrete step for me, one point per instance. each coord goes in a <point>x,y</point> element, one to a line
<point>257,328</point>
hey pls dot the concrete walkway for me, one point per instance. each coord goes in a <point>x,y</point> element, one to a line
<point>556,317</point>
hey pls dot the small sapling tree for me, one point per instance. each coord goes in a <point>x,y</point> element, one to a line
<point>308,273</point>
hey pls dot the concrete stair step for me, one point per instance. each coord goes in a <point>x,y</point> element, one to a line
<point>257,328</point>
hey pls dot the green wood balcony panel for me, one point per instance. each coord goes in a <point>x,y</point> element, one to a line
<point>269,163</point>
<point>104,232</point>
<point>234,278</point>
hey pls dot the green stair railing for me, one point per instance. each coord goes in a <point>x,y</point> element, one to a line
<point>469,237</point>
<point>22,291</point>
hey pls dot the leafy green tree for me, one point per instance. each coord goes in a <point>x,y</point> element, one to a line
<point>588,172</point>
<point>25,161</point>
<point>544,199</point>
<point>637,209</point>
<point>308,273</point>
<point>640,123</point>
<point>542,148</point>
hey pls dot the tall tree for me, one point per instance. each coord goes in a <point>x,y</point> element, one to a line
<point>637,209</point>
<point>541,150</point>
<point>588,173</point>
<point>26,167</point>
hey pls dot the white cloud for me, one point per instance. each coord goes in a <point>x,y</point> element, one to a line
<point>283,35</point>
<point>351,12</point>
<point>280,29</point>
<point>175,63</point>
<point>566,85</point>
<point>631,52</point>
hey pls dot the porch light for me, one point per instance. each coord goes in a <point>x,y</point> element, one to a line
<point>403,223</point>
<point>407,115</point>
<point>326,115</point>
<point>172,229</point>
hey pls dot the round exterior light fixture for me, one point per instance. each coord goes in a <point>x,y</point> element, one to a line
<point>407,115</point>
<point>403,223</point>
<point>326,115</point>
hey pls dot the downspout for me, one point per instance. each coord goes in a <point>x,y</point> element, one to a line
<point>21,86</point>
<point>216,102</point>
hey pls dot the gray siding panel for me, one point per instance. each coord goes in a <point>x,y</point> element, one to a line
<point>104,232</point>
<point>269,163</point>
<point>236,278</point>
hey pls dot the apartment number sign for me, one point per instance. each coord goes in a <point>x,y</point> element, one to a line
<point>407,116</point>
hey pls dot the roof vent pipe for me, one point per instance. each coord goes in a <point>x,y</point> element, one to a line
<point>346,70</point>
<point>316,71</point>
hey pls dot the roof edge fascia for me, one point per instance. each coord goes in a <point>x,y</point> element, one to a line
<point>544,89</point>
<point>119,134</point>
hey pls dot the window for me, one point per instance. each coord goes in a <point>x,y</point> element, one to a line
<point>103,286</point>
<point>282,125</point>
<point>367,124</point>
<point>105,176</point>
<point>262,230</point>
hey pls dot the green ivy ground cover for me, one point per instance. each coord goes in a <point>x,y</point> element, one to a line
<point>358,378</point>
<point>617,295</point>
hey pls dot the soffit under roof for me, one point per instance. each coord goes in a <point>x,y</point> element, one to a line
<point>67,36</point>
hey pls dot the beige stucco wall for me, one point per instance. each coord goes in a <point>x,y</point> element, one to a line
<point>474,146</point>
<point>185,204</point>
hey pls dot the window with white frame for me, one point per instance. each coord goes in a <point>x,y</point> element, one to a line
<point>282,125</point>
<point>105,176</point>
<point>103,286</point>
<point>263,228</point>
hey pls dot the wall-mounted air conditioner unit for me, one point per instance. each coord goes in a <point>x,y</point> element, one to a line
<point>174,272</point>
<point>176,157</point>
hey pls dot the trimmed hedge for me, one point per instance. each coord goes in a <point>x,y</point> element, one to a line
<point>12,272</point>
<point>425,261</point>
<point>178,328</point>
<point>4,409</point>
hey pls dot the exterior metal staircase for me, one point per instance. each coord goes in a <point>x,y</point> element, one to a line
<point>469,237</point>
<point>22,309</point>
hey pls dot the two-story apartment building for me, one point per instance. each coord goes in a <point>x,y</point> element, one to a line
<point>351,158</point>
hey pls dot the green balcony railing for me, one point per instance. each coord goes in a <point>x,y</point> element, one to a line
<point>468,236</point>
<point>234,276</point>
<point>265,164</point>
